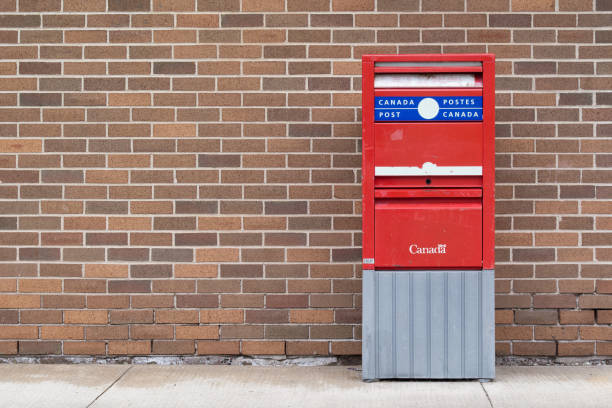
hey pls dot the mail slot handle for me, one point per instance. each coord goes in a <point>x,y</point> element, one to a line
<point>428,193</point>
<point>389,70</point>
<point>428,64</point>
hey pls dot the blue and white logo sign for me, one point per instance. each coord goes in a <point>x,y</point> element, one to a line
<point>425,108</point>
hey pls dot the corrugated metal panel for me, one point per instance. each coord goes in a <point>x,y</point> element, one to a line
<point>428,324</point>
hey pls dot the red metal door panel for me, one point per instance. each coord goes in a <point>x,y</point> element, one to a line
<point>428,233</point>
<point>427,193</point>
<point>427,181</point>
<point>413,144</point>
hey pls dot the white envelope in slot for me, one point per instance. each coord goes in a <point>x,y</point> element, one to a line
<point>402,80</point>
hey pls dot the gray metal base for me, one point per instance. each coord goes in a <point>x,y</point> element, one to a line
<point>428,324</point>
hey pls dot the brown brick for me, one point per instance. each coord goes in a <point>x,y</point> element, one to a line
<point>45,5</point>
<point>556,333</point>
<point>286,332</point>
<point>108,301</point>
<point>62,332</point>
<point>86,317</point>
<point>219,36</point>
<point>307,348</point>
<point>534,348</point>
<point>576,317</point>
<point>19,20</point>
<point>84,285</point>
<point>65,20</point>
<point>576,349</point>
<point>444,5</point>
<point>603,348</point>
<point>242,300</point>
<point>40,316</point>
<point>129,347</point>
<point>208,347</point>
<point>12,316</point>
<point>595,302</point>
<point>148,301</point>
<point>131,316</point>
<point>537,5</point>
<point>151,271</point>
<point>40,347</point>
<point>40,285</point>
<point>81,6</point>
<point>595,333</point>
<point>554,301</point>
<point>395,5</point>
<point>173,347</point>
<point>242,331</point>
<point>444,36</point>
<point>331,332</point>
<point>353,5</point>
<point>263,347</point>
<point>149,51</point>
<point>84,348</point>
<point>40,68</point>
<point>128,5</point>
<point>19,332</point>
<point>151,332</point>
<point>576,286</point>
<point>174,68</point>
<point>176,316</point>
<point>346,347</point>
<point>287,301</point>
<point>311,316</point>
<point>317,20</point>
<point>536,317</point>
<point>242,20</point>
<point>197,20</point>
<point>316,5</point>
<point>603,316</point>
<point>129,286</point>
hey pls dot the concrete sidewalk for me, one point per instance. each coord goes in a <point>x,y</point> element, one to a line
<point>340,386</point>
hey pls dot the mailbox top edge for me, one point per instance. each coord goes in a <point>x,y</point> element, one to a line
<point>428,57</point>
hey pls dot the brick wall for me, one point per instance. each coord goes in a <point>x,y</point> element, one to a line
<point>182,176</point>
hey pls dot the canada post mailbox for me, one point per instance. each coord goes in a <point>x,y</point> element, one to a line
<point>428,216</point>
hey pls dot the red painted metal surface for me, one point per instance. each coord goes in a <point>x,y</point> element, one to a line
<point>432,192</point>
<point>488,166</point>
<point>428,92</point>
<point>428,233</point>
<point>452,210</point>
<point>442,143</point>
<point>426,69</point>
<point>428,181</point>
<point>367,163</point>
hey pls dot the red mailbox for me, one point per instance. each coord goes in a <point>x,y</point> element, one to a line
<point>428,161</point>
<point>428,211</point>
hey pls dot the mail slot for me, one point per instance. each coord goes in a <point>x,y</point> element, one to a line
<point>428,207</point>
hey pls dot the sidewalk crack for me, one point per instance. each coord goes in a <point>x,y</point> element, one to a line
<point>487,394</point>
<point>109,387</point>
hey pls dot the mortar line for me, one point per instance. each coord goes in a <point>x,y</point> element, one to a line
<point>486,394</point>
<point>109,387</point>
